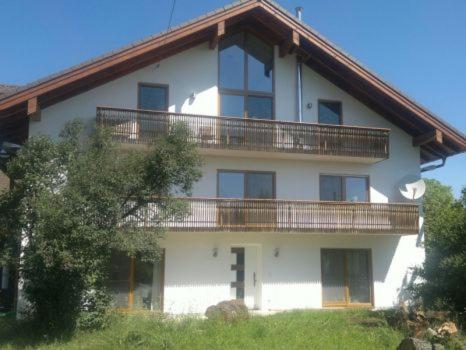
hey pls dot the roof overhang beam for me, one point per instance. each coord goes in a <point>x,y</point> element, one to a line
<point>431,136</point>
<point>33,109</point>
<point>218,33</point>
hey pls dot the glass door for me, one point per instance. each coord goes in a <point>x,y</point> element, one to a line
<point>346,277</point>
<point>135,284</point>
<point>240,214</point>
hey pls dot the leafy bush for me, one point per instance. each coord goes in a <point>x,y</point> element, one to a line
<point>72,205</point>
<point>444,270</point>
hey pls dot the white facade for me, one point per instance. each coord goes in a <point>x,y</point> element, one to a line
<point>194,278</point>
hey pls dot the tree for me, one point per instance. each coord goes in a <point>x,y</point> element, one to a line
<point>74,202</point>
<point>444,270</point>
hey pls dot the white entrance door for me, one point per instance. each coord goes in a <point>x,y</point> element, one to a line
<point>247,283</point>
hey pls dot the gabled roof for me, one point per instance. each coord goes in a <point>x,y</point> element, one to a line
<point>436,138</point>
<point>8,89</point>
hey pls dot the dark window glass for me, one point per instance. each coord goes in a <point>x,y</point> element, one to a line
<point>333,276</point>
<point>356,189</point>
<point>260,107</point>
<point>239,54</point>
<point>143,272</point>
<point>232,105</point>
<point>329,112</point>
<point>231,61</point>
<point>245,185</point>
<point>119,280</point>
<point>153,97</point>
<point>230,184</point>
<point>345,277</point>
<point>259,185</point>
<point>358,276</point>
<point>330,188</point>
<point>240,275</point>
<point>260,65</point>
<point>240,272</point>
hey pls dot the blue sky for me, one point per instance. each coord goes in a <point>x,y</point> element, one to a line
<point>418,46</point>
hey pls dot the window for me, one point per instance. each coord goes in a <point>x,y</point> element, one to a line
<point>246,184</point>
<point>330,112</point>
<point>346,277</point>
<point>153,97</point>
<point>238,284</point>
<point>344,188</point>
<point>245,77</point>
<point>134,284</point>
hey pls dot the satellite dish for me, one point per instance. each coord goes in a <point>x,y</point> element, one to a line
<point>412,187</point>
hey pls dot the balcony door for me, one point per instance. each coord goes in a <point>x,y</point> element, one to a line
<point>346,277</point>
<point>237,185</point>
<point>136,285</point>
<point>150,126</point>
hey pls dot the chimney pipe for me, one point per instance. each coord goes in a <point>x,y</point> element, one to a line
<point>299,12</point>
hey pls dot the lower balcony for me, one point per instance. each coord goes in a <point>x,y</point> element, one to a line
<point>250,137</point>
<point>258,215</point>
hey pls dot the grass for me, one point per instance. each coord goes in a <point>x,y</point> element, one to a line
<point>290,330</point>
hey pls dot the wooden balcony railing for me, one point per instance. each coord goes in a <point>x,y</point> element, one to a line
<point>142,127</point>
<point>226,215</point>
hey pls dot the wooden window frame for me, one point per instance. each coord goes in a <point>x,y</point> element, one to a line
<point>340,103</point>
<point>154,85</point>
<point>346,303</point>
<point>131,283</point>
<point>245,172</point>
<point>245,92</point>
<point>343,185</point>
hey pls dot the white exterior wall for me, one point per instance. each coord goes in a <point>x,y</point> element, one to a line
<point>193,70</point>
<point>194,279</point>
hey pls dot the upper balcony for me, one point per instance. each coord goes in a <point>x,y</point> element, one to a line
<point>251,137</point>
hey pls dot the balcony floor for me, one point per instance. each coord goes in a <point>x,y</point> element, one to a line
<point>265,154</point>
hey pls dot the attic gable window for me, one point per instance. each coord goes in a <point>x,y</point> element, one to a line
<point>330,112</point>
<point>246,77</point>
<point>153,97</point>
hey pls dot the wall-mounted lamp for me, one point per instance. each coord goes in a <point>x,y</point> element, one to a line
<point>215,252</point>
<point>192,97</point>
<point>309,105</point>
<point>276,252</point>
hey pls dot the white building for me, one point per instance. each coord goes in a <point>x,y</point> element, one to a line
<point>298,206</point>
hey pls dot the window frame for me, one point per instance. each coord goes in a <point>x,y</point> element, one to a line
<point>131,261</point>
<point>154,85</point>
<point>343,186</point>
<point>346,303</point>
<point>340,103</point>
<point>245,92</point>
<point>245,172</point>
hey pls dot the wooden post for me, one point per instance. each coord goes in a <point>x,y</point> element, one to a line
<point>33,109</point>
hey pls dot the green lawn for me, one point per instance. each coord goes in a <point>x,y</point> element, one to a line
<point>290,330</point>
